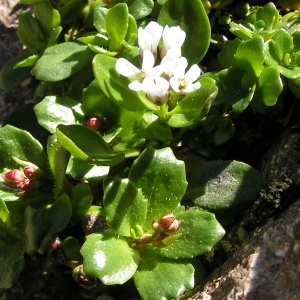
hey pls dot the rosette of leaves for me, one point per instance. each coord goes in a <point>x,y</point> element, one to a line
<point>154,187</point>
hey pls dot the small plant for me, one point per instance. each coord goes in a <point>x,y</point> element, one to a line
<point>119,90</point>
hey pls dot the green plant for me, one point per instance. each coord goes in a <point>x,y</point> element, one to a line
<point>116,100</point>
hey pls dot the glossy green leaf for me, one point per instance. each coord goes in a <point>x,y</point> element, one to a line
<point>162,180</point>
<point>245,99</point>
<point>21,144</point>
<point>115,86</point>
<point>269,14</point>
<point>224,131</point>
<point>250,56</point>
<point>224,187</point>
<point>281,43</point>
<point>81,170</point>
<point>47,17</point>
<point>42,225</point>
<point>58,158</point>
<point>194,106</point>
<point>124,204</point>
<point>52,111</point>
<point>190,15</point>
<point>159,278</point>
<point>200,232</point>
<point>99,18</point>
<point>11,77</point>
<point>140,8</point>
<point>11,258</point>
<point>30,33</point>
<point>116,25</point>
<point>226,56</point>
<point>86,144</point>
<point>152,128</point>
<point>270,86</point>
<point>109,258</point>
<point>28,62</point>
<point>62,61</point>
<point>81,200</point>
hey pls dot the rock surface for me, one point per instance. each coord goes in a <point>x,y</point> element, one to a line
<point>267,266</point>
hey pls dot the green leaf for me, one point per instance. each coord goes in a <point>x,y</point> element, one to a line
<point>162,180</point>
<point>152,128</point>
<point>47,17</point>
<point>42,225</point>
<point>86,144</point>
<point>269,86</point>
<point>140,9</point>
<point>99,18</point>
<point>52,111</point>
<point>115,86</point>
<point>81,170</point>
<point>226,56</point>
<point>200,232</point>
<point>58,159</point>
<point>11,77</point>
<point>124,204</point>
<point>116,25</point>
<point>81,201</point>
<point>109,258</point>
<point>224,131</point>
<point>190,15</point>
<point>21,144</point>
<point>159,278</point>
<point>250,56</point>
<point>62,61</point>
<point>269,14</point>
<point>194,106</point>
<point>11,259</point>
<point>30,33</point>
<point>224,187</point>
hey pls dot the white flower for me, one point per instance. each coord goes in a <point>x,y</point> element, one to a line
<point>173,38</point>
<point>156,89</point>
<point>170,62</point>
<point>183,82</point>
<point>149,37</point>
<point>127,69</point>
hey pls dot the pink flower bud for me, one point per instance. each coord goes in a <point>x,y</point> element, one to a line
<point>29,171</point>
<point>167,223</point>
<point>14,178</point>
<point>94,123</point>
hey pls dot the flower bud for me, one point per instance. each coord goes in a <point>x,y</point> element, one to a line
<point>14,178</point>
<point>94,123</point>
<point>29,171</point>
<point>167,223</point>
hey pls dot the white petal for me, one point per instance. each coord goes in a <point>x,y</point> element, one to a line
<point>148,61</point>
<point>174,84</point>
<point>192,87</point>
<point>180,67</point>
<point>156,71</point>
<point>155,31</point>
<point>162,86</point>
<point>149,85</point>
<point>192,74</point>
<point>145,40</point>
<point>126,68</point>
<point>168,63</point>
<point>136,86</point>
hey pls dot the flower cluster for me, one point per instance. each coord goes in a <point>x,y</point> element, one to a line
<point>157,81</point>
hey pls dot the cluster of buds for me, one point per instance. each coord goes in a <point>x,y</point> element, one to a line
<point>164,232</point>
<point>158,82</point>
<point>23,179</point>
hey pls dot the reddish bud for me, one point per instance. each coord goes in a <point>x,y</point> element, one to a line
<point>94,123</point>
<point>29,171</point>
<point>25,184</point>
<point>14,178</point>
<point>167,223</point>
